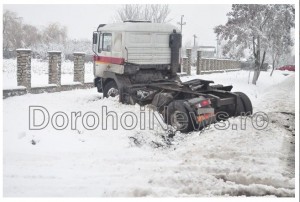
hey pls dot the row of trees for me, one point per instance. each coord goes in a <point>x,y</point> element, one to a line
<point>17,34</point>
<point>260,28</point>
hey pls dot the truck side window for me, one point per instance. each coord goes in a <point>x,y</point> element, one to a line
<point>106,42</point>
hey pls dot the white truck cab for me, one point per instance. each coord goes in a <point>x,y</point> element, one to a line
<point>138,51</point>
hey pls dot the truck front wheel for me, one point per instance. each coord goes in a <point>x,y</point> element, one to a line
<point>110,89</point>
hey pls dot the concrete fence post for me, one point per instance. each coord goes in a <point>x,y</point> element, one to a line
<point>198,71</point>
<point>184,64</point>
<point>189,63</point>
<point>54,58</point>
<point>79,67</point>
<point>24,68</point>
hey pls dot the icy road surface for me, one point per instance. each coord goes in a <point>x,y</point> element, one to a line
<point>142,162</point>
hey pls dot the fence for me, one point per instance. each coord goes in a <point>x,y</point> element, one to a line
<point>208,65</point>
<point>54,75</point>
<point>203,66</point>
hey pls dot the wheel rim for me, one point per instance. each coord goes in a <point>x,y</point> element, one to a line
<point>177,118</point>
<point>112,92</point>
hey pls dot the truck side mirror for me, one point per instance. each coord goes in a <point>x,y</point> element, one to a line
<point>95,37</point>
<point>95,41</point>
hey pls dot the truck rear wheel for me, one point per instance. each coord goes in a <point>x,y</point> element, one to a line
<point>248,109</point>
<point>110,89</point>
<point>239,110</point>
<point>178,117</point>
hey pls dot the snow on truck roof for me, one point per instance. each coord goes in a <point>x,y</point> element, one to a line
<point>139,26</point>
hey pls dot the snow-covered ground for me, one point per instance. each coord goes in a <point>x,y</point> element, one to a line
<point>39,73</point>
<point>141,162</point>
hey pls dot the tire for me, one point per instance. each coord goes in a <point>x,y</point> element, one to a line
<point>240,110</point>
<point>110,89</point>
<point>178,116</point>
<point>248,109</point>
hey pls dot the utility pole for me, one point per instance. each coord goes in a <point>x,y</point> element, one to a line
<point>194,39</point>
<point>181,23</point>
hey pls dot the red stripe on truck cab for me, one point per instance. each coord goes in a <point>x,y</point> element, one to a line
<point>111,60</point>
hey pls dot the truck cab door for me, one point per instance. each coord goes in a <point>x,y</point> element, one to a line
<point>106,47</point>
<point>103,59</point>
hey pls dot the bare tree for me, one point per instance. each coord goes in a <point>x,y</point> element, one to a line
<point>129,12</point>
<point>150,12</point>
<point>157,12</point>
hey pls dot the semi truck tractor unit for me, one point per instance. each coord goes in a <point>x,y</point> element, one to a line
<point>140,62</point>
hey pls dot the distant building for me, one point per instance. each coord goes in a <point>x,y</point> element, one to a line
<point>206,52</point>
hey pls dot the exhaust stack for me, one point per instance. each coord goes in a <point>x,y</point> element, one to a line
<point>175,45</point>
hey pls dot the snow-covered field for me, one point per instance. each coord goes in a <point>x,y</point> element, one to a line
<point>141,162</point>
<point>39,73</point>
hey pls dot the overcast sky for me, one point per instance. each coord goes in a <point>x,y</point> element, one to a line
<point>82,20</point>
